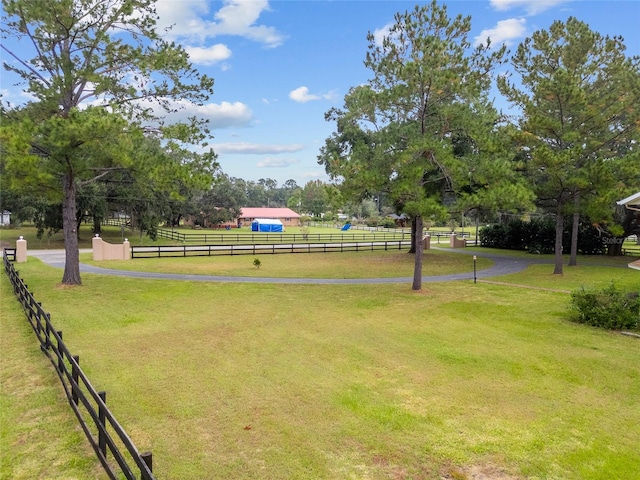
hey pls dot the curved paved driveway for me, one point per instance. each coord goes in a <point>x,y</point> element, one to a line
<point>503,265</point>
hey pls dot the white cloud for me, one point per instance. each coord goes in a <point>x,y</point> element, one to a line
<point>208,55</point>
<point>255,148</point>
<point>380,33</point>
<point>532,7</point>
<point>220,115</point>
<point>237,17</point>
<point>183,17</point>
<point>302,95</point>
<point>192,19</point>
<point>503,32</point>
<point>270,162</point>
<point>332,95</point>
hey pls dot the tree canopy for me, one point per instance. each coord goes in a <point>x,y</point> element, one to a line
<point>101,77</point>
<point>398,133</point>
<point>580,101</point>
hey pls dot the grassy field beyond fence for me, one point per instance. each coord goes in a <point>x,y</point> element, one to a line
<point>264,381</point>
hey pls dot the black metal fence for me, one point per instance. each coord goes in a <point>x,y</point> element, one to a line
<point>10,254</point>
<point>262,249</point>
<point>103,431</point>
<point>265,237</point>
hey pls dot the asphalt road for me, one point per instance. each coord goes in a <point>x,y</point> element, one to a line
<point>503,265</point>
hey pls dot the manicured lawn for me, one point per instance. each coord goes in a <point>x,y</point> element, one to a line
<point>574,278</point>
<point>383,264</point>
<point>39,435</point>
<point>265,381</point>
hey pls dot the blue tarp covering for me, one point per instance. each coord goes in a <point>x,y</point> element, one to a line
<point>266,225</point>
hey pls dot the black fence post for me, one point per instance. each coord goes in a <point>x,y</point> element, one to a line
<point>59,352</point>
<point>39,328</point>
<point>102,440</point>
<point>147,458</point>
<point>47,343</point>
<point>74,376</point>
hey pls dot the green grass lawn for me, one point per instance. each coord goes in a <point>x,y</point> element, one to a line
<point>383,264</point>
<point>39,435</point>
<point>265,381</point>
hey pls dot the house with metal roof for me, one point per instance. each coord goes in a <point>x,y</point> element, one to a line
<point>288,217</point>
<point>632,202</point>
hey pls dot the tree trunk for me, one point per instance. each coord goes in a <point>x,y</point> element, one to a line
<point>614,246</point>
<point>477,222</point>
<point>557,270</point>
<point>573,258</point>
<point>71,274</point>
<point>413,235</point>
<point>417,269</point>
<point>97,224</point>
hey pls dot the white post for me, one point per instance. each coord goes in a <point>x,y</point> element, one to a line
<point>126,249</point>
<point>97,245</point>
<point>21,250</point>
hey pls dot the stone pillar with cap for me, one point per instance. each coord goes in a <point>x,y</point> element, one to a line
<point>97,247</point>
<point>21,250</point>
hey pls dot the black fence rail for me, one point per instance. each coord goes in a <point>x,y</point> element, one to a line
<point>263,249</point>
<point>265,237</point>
<point>117,222</point>
<point>400,230</point>
<point>10,254</point>
<point>103,431</point>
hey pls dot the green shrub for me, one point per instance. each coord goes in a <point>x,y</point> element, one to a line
<point>372,221</point>
<point>606,308</point>
<point>388,223</point>
<point>538,236</point>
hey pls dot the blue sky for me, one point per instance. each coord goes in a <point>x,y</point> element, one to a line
<point>280,65</point>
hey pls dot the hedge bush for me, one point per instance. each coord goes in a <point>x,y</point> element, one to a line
<point>538,236</point>
<point>606,308</point>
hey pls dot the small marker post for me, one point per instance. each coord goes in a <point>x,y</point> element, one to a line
<point>474,268</point>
